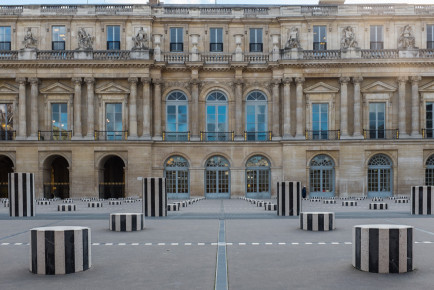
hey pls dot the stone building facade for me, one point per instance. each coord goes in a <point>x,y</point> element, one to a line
<point>223,100</point>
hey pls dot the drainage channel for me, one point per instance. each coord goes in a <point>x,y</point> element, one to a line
<point>221,272</point>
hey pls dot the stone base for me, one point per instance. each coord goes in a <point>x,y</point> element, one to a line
<point>409,53</point>
<point>83,54</point>
<point>139,54</point>
<point>352,52</point>
<point>293,53</point>
<point>27,54</point>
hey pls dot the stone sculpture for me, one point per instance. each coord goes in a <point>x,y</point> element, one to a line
<point>140,40</point>
<point>406,39</point>
<point>293,39</point>
<point>29,41</point>
<point>348,38</point>
<point>85,41</point>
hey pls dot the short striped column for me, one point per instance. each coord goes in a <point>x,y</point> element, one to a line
<point>94,204</point>
<point>60,250</point>
<point>349,203</point>
<point>331,201</point>
<point>317,221</point>
<point>154,196</point>
<point>21,193</point>
<point>315,200</point>
<point>172,207</point>
<point>43,202</point>
<point>66,207</point>
<point>129,201</point>
<point>270,206</point>
<point>6,203</point>
<point>378,205</point>
<point>126,222</point>
<point>115,202</point>
<point>377,199</point>
<point>260,203</point>
<point>288,198</point>
<point>422,201</point>
<point>383,248</point>
<point>402,201</point>
<point>67,201</point>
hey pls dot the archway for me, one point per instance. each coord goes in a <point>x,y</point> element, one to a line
<point>322,176</point>
<point>217,178</point>
<point>258,177</point>
<point>429,171</point>
<point>112,177</point>
<point>6,167</point>
<point>176,171</point>
<point>56,177</point>
<point>380,176</point>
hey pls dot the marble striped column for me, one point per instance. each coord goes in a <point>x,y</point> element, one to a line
<point>66,207</point>
<point>126,222</point>
<point>288,198</point>
<point>378,205</point>
<point>154,196</point>
<point>349,203</point>
<point>317,221</point>
<point>94,204</point>
<point>21,191</point>
<point>422,200</point>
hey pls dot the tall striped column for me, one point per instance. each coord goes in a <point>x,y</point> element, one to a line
<point>383,248</point>
<point>154,196</point>
<point>21,190</point>
<point>288,198</point>
<point>422,201</point>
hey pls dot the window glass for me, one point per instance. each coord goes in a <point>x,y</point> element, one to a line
<point>376,37</point>
<point>58,37</point>
<point>176,39</point>
<point>216,39</point>
<point>59,117</point>
<point>319,37</point>
<point>5,38</point>
<point>256,40</point>
<point>114,121</point>
<point>430,36</point>
<point>113,37</point>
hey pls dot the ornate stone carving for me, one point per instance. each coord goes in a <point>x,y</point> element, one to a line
<point>133,80</point>
<point>348,38</point>
<point>20,80</point>
<point>415,79</point>
<point>299,80</point>
<point>406,39</point>
<point>89,80</point>
<point>357,80</point>
<point>85,41</point>
<point>344,80</point>
<point>293,39</point>
<point>30,42</point>
<point>34,81</point>
<point>287,81</point>
<point>140,40</point>
<point>76,81</point>
<point>146,80</point>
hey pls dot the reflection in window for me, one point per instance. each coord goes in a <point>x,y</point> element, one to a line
<point>5,38</point>
<point>377,120</point>
<point>114,121</point>
<point>59,120</point>
<point>320,121</point>
<point>177,117</point>
<point>319,38</point>
<point>429,171</point>
<point>58,38</point>
<point>321,175</point>
<point>113,37</point>
<point>380,175</point>
<point>6,121</point>
<point>176,172</point>
<point>258,175</point>
<point>256,116</point>
<point>216,116</point>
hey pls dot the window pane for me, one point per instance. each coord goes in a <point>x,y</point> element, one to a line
<point>5,33</point>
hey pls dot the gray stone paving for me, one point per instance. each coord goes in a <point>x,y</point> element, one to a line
<point>191,249</point>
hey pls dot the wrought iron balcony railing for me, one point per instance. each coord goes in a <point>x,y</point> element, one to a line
<point>63,135</point>
<point>216,136</point>
<point>428,133</point>
<point>176,136</point>
<point>111,135</point>
<point>257,136</point>
<point>7,135</point>
<point>381,134</point>
<point>323,134</point>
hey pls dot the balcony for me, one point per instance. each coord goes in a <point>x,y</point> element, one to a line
<point>55,54</point>
<point>176,57</point>
<point>428,133</point>
<point>321,54</point>
<point>213,58</point>
<point>111,135</point>
<point>323,134</point>
<point>257,136</point>
<point>176,136</point>
<point>8,54</point>
<point>8,135</point>
<point>386,134</point>
<point>54,135</point>
<point>216,136</point>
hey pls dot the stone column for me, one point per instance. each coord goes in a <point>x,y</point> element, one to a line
<point>357,129</point>
<point>402,115</point>
<point>132,130</point>
<point>239,109</point>
<point>77,108</point>
<point>299,113</point>
<point>287,108</point>
<point>146,108</point>
<point>276,110</point>
<point>22,126</point>
<point>415,131</point>
<point>90,108</point>
<point>195,110</point>
<point>34,108</point>
<point>157,109</point>
<point>344,106</point>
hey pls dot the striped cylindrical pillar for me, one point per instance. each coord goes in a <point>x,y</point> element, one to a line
<point>288,198</point>
<point>115,202</point>
<point>94,204</point>
<point>378,205</point>
<point>66,207</point>
<point>126,222</point>
<point>317,221</point>
<point>270,206</point>
<point>349,203</point>
<point>172,207</point>
<point>21,189</point>
<point>154,196</point>
<point>383,248</point>
<point>60,250</point>
<point>422,201</point>
<point>44,202</point>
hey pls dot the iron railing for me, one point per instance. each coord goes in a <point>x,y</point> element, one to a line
<point>111,135</point>
<point>64,135</point>
<point>427,133</point>
<point>7,135</point>
<point>216,136</point>
<point>257,135</point>
<point>176,136</point>
<point>323,134</point>
<point>381,134</point>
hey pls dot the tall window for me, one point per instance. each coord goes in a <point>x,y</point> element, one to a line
<point>430,36</point>
<point>322,176</point>
<point>429,171</point>
<point>217,178</point>
<point>58,38</point>
<point>379,176</point>
<point>217,117</point>
<point>114,121</point>
<point>216,40</point>
<point>377,37</point>
<point>176,117</point>
<point>6,121</point>
<point>256,44</point>
<point>256,116</point>
<point>258,177</point>
<point>113,37</point>
<point>320,37</point>
<point>320,121</point>
<point>5,38</point>
<point>176,172</point>
<point>377,120</point>
<point>59,120</point>
<point>176,39</point>
<point>429,120</point>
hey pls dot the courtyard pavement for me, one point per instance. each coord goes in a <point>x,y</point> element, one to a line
<point>216,244</point>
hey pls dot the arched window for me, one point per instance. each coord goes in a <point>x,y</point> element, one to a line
<point>380,179</point>
<point>429,171</point>
<point>217,117</point>
<point>176,116</point>
<point>217,177</point>
<point>256,116</point>
<point>258,177</point>
<point>322,176</point>
<point>177,177</point>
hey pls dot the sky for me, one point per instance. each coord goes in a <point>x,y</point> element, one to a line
<point>259,2</point>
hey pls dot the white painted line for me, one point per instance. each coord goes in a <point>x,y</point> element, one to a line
<point>187,244</point>
<point>95,244</point>
<point>335,243</point>
<point>134,244</point>
<point>268,244</point>
<point>295,243</point>
<point>348,243</point>
<point>255,244</point>
<point>174,244</point>
<point>214,244</point>
<point>308,243</point>
<point>241,244</point>
<point>18,244</point>
<point>161,244</point>
<point>321,243</point>
<point>221,244</point>
<point>417,242</point>
<point>5,244</point>
<point>229,244</point>
<point>281,243</point>
<point>122,244</point>
<point>201,244</point>
<point>427,242</point>
<point>109,244</point>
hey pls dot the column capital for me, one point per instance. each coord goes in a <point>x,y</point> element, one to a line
<point>344,80</point>
<point>357,80</point>
<point>20,80</point>
<point>300,80</point>
<point>76,81</point>
<point>287,81</point>
<point>195,82</point>
<point>415,79</point>
<point>276,82</point>
<point>89,80</point>
<point>238,82</point>
<point>133,80</point>
<point>157,81</point>
<point>146,80</point>
<point>34,81</point>
<point>402,79</point>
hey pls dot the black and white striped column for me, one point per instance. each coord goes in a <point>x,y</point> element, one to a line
<point>422,201</point>
<point>21,190</point>
<point>154,196</point>
<point>317,221</point>
<point>270,206</point>
<point>288,198</point>
<point>401,201</point>
<point>44,202</point>
<point>126,222</point>
<point>173,207</point>
<point>329,201</point>
<point>349,203</point>
<point>94,204</point>
<point>115,202</point>
<point>66,207</point>
<point>383,248</point>
<point>60,250</point>
<point>378,205</point>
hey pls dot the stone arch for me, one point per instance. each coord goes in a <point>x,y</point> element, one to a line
<point>216,87</point>
<point>112,176</point>
<point>263,154</point>
<point>6,166</point>
<point>173,89</point>
<point>56,176</point>
<point>208,156</point>
<point>175,153</point>
<point>260,89</point>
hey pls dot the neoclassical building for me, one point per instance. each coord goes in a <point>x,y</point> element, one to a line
<point>222,100</point>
